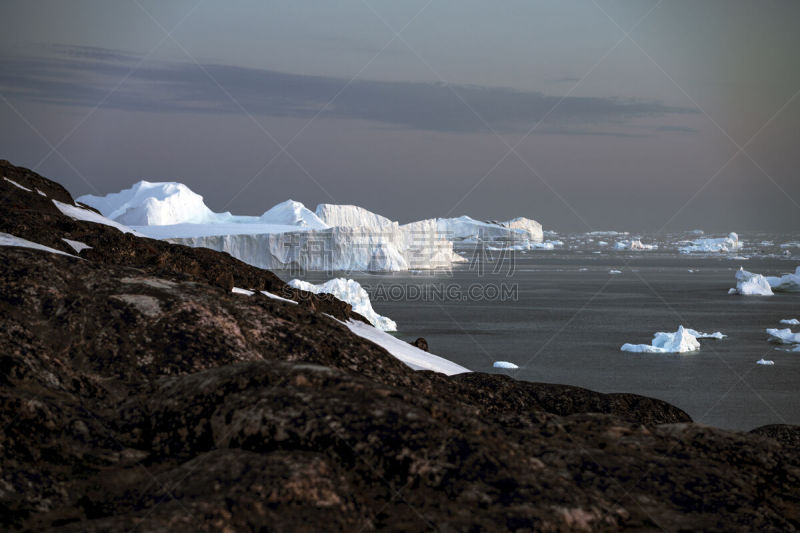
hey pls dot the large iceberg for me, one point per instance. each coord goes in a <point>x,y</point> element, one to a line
<point>683,340</point>
<point>154,204</point>
<point>351,216</point>
<point>467,229</point>
<point>724,244</point>
<point>352,292</point>
<point>287,236</point>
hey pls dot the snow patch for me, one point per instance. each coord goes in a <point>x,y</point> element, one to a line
<point>79,213</point>
<point>405,352</point>
<point>350,291</point>
<point>504,364</point>
<point>12,182</point>
<point>77,245</point>
<point>6,239</point>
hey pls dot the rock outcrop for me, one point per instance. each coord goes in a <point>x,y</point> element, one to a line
<point>138,393</point>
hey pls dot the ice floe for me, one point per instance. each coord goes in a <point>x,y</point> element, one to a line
<point>763,361</point>
<point>504,364</point>
<point>683,340</point>
<point>723,244</point>
<point>783,336</point>
<point>352,292</point>
<point>751,283</point>
<point>790,322</point>
<point>633,244</point>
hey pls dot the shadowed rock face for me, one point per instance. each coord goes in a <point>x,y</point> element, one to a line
<point>138,392</point>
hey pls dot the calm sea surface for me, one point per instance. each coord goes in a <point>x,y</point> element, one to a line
<point>562,317</point>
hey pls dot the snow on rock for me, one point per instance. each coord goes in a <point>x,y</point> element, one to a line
<point>683,340</point>
<point>154,204</point>
<point>750,284</point>
<point>404,351</point>
<point>350,291</point>
<point>724,244</point>
<point>6,239</point>
<point>790,322</point>
<point>763,361</point>
<point>783,336</point>
<point>351,216</point>
<point>238,290</point>
<point>79,213</point>
<point>504,364</point>
<point>77,245</point>
<point>291,213</point>
<point>12,182</point>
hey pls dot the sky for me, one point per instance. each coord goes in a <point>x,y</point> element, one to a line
<point>585,115</point>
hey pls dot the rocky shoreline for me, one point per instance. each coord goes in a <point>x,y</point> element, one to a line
<point>139,393</point>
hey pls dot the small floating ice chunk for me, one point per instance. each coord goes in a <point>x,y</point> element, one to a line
<point>77,245</point>
<point>683,340</point>
<point>750,284</point>
<point>615,271</point>
<point>504,364</point>
<point>724,244</point>
<point>790,322</point>
<point>763,361</point>
<point>786,283</point>
<point>783,336</point>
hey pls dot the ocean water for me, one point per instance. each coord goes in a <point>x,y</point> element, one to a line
<point>562,317</point>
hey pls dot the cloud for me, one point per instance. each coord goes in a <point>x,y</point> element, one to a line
<point>83,76</point>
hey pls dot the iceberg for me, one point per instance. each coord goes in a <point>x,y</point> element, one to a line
<point>750,284</point>
<point>504,364</point>
<point>785,283</point>
<point>352,292</point>
<point>287,236</point>
<point>154,204</point>
<point>783,336</point>
<point>351,216</point>
<point>683,340</point>
<point>633,244</point>
<point>468,230</point>
<point>291,213</point>
<point>724,244</point>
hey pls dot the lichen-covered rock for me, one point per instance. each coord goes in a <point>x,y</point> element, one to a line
<point>138,393</point>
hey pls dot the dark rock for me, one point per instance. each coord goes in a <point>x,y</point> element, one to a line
<point>783,433</point>
<point>138,393</point>
<point>421,343</point>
